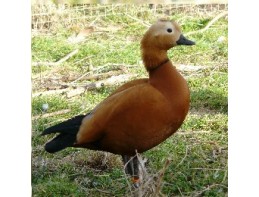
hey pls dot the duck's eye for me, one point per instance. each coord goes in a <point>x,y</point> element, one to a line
<point>169,30</point>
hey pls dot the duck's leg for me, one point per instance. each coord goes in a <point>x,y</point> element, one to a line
<point>132,168</point>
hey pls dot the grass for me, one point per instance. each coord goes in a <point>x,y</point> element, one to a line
<point>198,151</point>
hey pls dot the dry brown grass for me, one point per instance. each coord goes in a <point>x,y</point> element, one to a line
<point>49,17</point>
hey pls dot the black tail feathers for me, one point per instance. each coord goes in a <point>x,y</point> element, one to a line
<point>67,136</point>
<point>60,142</point>
<point>70,126</point>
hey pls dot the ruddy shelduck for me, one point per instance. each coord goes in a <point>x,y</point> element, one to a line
<point>141,113</point>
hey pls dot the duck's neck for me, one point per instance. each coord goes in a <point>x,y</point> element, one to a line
<point>169,82</point>
<point>153,58</point>
<point>162,74</point>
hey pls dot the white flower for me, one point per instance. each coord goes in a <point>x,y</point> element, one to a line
<point>45,106</point>
<point>221,39</point>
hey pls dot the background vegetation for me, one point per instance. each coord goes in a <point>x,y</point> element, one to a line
<point>105,41</point>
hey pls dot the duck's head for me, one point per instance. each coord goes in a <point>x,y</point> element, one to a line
<point>159,38</point>
<point>163,35</point>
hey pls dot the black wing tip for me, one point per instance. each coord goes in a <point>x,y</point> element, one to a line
<point>48,131</point>
<point>52,149</point>
<point>67,134</point>
<point>60,142</point>
<point>72,123</point>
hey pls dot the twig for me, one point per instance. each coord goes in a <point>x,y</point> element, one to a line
<point>191,132</point>
<point>110,81</point>
<point>58,62</point>
<point>209,24</point>
<point>126,176</point>
<point>208,188</point>
<point>159,181</point>
<point>103,75</point>
<point>140,21</point>
<point>83,59</point>
<point>186,151</point>
<point>79,78</point>
<point>68,92</point>
<point>50,92</point>
<point>96,76</point>
<point>106,192</point>
<point>44,63</point>
<point>112,64</point>
<point>75,92</point>
<point>217,169</point>
<point>92,23</point>
<point>110,73</point>
<point>95,85</point>
<point>179,191</point>
<point>51,114</point>
<point>190,68</point>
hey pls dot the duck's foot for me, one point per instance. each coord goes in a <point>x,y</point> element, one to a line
<point>131,165</point>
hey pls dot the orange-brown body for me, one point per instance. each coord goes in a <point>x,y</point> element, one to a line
<point>138,117</point>
<point>142,113</point>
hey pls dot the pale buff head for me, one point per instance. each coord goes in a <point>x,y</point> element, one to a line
<point>159,38</point>
<point>163,35</point>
